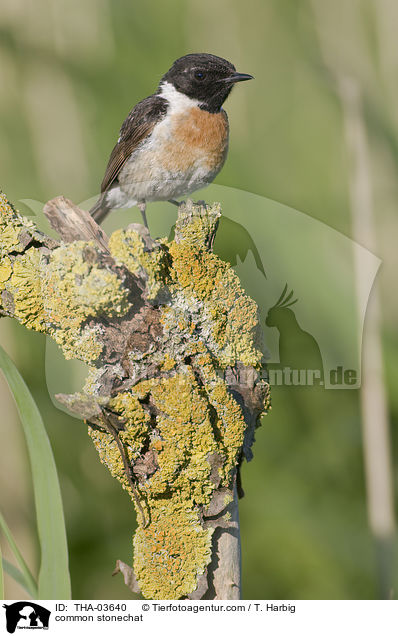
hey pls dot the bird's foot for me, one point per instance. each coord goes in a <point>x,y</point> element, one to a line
<point>177,203</point>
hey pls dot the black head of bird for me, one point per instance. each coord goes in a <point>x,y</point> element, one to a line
<point>203,77</point>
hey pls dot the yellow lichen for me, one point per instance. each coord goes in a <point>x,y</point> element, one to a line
<point>9,237</point>
<point>187,436</point>
<point>232,315</point>
<point>77,288</point>
<point>11,225</point>
<point>85,341</point>
<point>196,223</point>
<point>26,288</point>
<point>171,552</point>
<point>5,271</point>
<point>168,362</point>
<point>21,275</point>
<point>132,437</point>
<point>128,248</point>
<point>174,548</point>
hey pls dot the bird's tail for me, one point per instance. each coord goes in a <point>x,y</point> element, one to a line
<point>100,210</point>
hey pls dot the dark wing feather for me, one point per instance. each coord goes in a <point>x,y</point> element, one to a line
<point>138,124</point>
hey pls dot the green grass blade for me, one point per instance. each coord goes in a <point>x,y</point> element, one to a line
<point>54,578</point>
<point>29,583</point>
<point>17,575</point>
<point>1,577</point>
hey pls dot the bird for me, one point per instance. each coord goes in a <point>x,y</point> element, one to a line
<point>173,142</point>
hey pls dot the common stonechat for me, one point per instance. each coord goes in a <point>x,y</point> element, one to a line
<point>173,142</point>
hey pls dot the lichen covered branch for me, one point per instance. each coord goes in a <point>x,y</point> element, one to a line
<point>172,396</point>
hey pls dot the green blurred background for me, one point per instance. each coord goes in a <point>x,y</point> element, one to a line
<point>69,73</point>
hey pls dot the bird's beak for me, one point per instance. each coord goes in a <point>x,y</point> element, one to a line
<point>237,77</point>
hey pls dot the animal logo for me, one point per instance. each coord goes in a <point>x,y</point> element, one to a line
<point>26,615</point>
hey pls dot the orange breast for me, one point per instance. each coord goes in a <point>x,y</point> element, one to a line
<point>198,136</point>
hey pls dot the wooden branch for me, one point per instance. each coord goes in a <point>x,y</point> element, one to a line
<point>173,394</point>
<point>73,223</point>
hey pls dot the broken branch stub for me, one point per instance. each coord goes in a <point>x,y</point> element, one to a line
<point>173,395</point>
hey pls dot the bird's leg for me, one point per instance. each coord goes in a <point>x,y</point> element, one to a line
<point>142,207</point>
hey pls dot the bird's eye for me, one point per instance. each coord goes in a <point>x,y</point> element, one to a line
<point>199,75</point>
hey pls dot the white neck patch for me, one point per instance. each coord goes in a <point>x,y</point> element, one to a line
<point>178,101</point>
